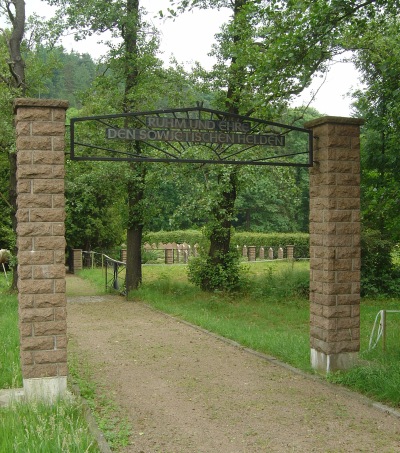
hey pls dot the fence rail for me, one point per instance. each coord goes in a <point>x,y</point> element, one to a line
<point>115,272</point>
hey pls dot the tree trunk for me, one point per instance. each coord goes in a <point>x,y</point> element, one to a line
<point>136,185</point>
<point>16,64</point>
<point>17,69</point>
<point>135,228</point>
<point>220,235</point>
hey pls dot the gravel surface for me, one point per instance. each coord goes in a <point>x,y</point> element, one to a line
<point>185,390</point>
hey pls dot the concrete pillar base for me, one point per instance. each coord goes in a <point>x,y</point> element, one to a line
<point>47,389</point>
<point>327,363</point>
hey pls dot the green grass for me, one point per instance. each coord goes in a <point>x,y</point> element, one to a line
<point>379,374</point>
<point>109,417</point>
<point>33,428</point>
<point>10,373</point>
<point>29,427</point>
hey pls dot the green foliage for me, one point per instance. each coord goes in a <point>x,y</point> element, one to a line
<point>378,274</point>
<point>95,219</point>
<point>377,59</point>
<point>60,74</point>
<point>283,282</point>
<point>191,237</point>
<point>226,275</point>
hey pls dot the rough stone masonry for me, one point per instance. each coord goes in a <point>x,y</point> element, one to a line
<point>335,251</point>
<point>40,130</point>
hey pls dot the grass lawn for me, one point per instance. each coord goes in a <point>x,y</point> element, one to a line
<point>32,427</point>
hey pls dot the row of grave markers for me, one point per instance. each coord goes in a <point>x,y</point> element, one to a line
<point>180,253</point>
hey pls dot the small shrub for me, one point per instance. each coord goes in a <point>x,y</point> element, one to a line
<point>223,276</point>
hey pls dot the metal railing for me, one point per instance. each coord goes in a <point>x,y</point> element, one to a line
<point>115,272</point>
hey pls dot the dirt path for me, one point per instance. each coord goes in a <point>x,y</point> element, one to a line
<point>187,391</point>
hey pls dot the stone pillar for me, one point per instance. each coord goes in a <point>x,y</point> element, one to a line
<point>290,252</point>
<point>169,256</point>
<point>77,259</point>
<point>252,252</point>
<point>335,254</point>
<point>40,130</point>
<point>123,254</point>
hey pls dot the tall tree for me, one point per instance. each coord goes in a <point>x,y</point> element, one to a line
<point>377,58</point>
<point>268,52</point>
<point>15,12</point>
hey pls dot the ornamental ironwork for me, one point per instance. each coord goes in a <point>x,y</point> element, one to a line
<point>189,135</point>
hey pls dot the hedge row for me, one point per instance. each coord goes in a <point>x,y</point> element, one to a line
<point>267,240</point>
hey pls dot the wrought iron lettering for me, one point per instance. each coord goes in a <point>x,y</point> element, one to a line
<point>195,136</point>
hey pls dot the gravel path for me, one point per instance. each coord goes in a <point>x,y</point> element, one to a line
<point>185,390</point>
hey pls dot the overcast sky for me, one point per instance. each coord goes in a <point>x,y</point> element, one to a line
<point>189,38</point>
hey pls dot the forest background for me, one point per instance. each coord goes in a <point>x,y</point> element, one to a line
<point>257,70</point>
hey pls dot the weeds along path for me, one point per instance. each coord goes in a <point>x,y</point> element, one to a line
<point>185,391</point>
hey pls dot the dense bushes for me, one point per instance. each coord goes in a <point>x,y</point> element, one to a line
<point>378,274</point>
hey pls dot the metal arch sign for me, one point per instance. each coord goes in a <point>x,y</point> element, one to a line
<point>192,135</point>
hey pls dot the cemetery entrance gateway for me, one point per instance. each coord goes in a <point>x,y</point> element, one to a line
<point>177,135</point>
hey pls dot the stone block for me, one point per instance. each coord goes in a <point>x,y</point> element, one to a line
<point>24,186</point>
<point>58,201</point>
<point>35,257</point>
<point>52,271</point>
<point>25,330</point>
<point>58,144</point>
<point>47,215</point>
<point>26,357</point>
<point>48,128</point>
<point>35,286</point>
<point>60,286</point>
<point>25,272</point>
<point>59,257</point>
<point>25,143</point>
<point>22,215</point>
<point>51,158</point>
<point>37,344</point>
<point>337,288</point>
<point>61,341</point>
<point>348,323</point>
<point>34,114</point>
<point>34,201</point>
<point>49,300</point>
<point>339,311</point>
<point>25,243</point>
<point>54,356</point>
<point>48,186</point>
<point>60,313</point>
<point>40,370</point>
<point>26,301</point>
<point>50,243</point>
<point>50,328</point>
<point>34,229</point>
